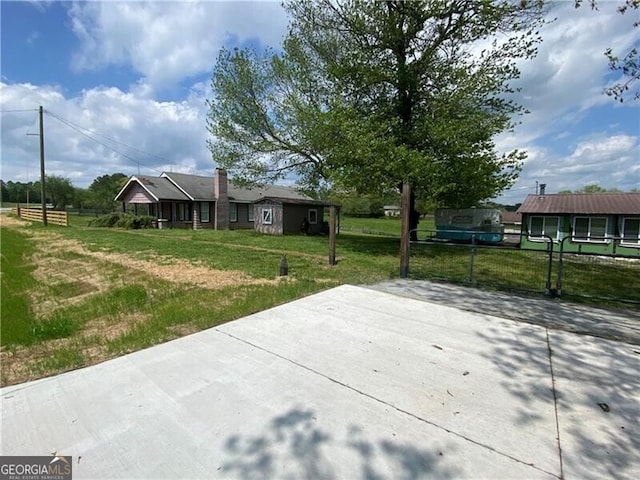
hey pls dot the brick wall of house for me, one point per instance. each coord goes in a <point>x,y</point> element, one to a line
<point>221,209</point>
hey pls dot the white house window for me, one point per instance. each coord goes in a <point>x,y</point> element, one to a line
<point>631,231</point>
<point>204,212</point>
<point>233,212</point>
<point>250,213</point>
<point>541,227</point>
<point>267,216</point>
<point>589,229</point>
<point>313,216</point>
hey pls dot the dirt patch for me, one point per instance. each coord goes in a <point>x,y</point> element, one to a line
<point>11,221</point>
<point>69,273</point>
<point>22,364</point>
<point>164,267</point>
<point>110,329</point>
<point>66,264</point>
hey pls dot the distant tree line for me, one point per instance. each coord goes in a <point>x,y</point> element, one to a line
<point>595,188</point>
<point>61,193</point>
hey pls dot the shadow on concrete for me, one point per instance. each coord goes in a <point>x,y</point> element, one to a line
<point>597,383</point>
<point>596,390</point>
<point>623,325</point>
<point>293,445</point>
<point>599,405</point>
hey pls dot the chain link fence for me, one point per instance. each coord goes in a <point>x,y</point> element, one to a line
<point>548,270</point>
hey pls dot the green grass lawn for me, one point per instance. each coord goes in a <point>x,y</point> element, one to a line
<point>96,302</point>
<point>389,226</point>
<point>96,308</point>
<point>17,281</point>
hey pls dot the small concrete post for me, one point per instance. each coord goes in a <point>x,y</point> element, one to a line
<point>284,267</point>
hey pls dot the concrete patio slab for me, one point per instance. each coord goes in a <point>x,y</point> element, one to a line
<point>348,383</point>
<point>598,390</point>
<point>556,313</point>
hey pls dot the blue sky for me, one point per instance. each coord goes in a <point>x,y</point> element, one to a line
<point>134,77</point>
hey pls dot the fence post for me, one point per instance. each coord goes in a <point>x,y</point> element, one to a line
<point>560,267</point>
<point>473,256</point>
<point>547,287</point>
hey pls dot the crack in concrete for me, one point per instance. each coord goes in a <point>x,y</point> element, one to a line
<point>555,401</point>
<point>396,408</point>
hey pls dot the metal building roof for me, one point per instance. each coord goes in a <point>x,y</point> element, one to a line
<point>604,203</point>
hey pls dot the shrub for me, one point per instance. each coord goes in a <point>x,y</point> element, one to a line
<point>123,220</point>
<point>108,220</point>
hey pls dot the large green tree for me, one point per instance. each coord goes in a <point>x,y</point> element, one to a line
<point>369,95</point>
<point>103,190</point>
<point>59,191</point>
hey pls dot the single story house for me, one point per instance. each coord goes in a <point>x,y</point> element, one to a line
<point>603,223</point>
<point>391,210</point>
<point>277,215</point>
<point>512,221</point>
<point>180,200</point>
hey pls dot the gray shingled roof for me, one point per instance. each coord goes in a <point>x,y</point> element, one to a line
<point>173,186</point>
<point>296,201</point>
<point>583,203</point>
<point>250,195</point>
<point>160,187</point>
<point>197,187</point>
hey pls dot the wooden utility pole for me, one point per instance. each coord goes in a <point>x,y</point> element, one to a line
<point>42,188</point>
<point>405,212</point>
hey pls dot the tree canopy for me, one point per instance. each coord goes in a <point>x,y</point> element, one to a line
<point>367,95</point>
<point>595,188</point>
<point>103,190</point>
<point>59,191</point>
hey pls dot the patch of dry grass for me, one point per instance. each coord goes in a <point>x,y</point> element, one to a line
<point>71,279</point>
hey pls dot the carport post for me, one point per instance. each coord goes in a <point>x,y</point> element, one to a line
<point>332,235</point>
<point>404,233</point>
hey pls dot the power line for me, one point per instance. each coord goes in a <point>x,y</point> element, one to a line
<point>79,130</point>
<point>92,132</point>
<point>19,111</point>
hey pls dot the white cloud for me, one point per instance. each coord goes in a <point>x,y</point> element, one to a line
<point>167,42</point>
<point>570,71</point>
<point>608,161</point>
<point>567,147</point>
<point>32,37</point>
<point>158,135</point>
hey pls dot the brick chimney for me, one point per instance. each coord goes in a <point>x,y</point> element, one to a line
<point>220,191</point>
